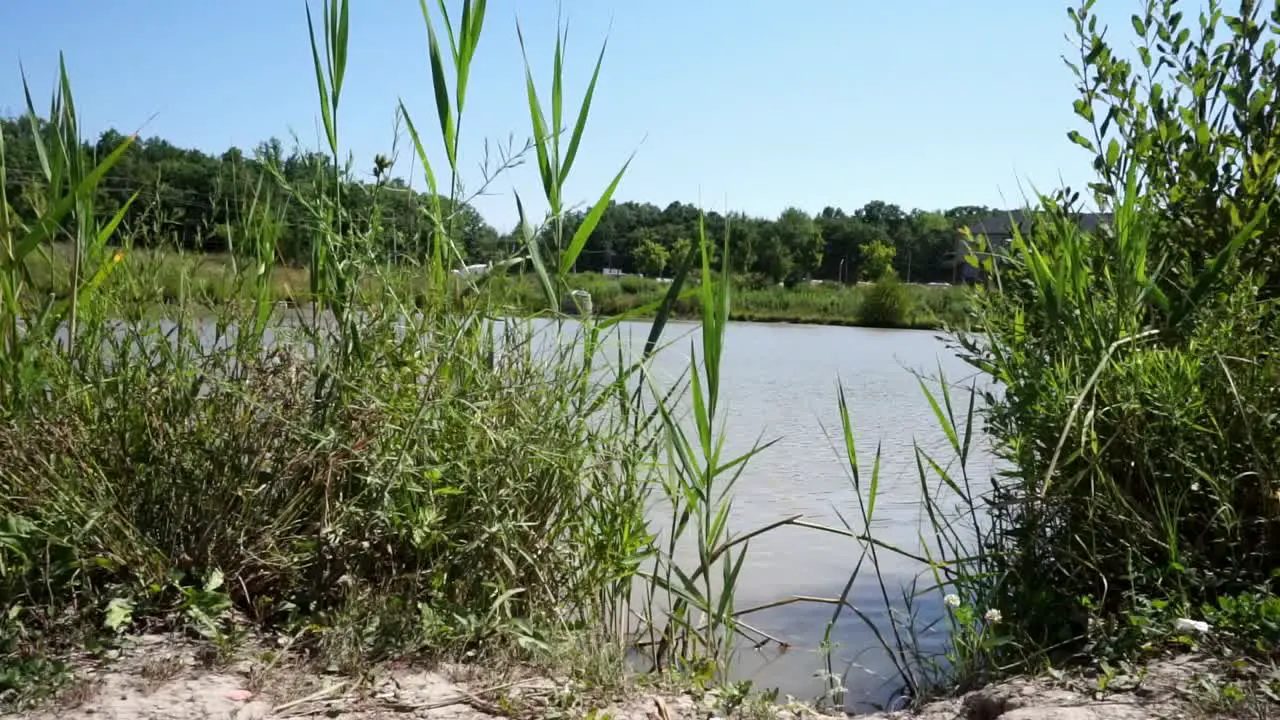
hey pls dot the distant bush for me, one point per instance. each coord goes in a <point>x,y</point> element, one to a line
<point>887,303</point>
<point>632,284</point>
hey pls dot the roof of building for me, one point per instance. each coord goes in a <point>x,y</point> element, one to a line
<point>1001,224</point>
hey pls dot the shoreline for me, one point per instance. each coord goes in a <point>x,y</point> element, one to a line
<point>183,679</point>
<point>167,277</point>
<point>159,307</point>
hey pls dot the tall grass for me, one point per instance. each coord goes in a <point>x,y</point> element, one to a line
<point>373,474</point>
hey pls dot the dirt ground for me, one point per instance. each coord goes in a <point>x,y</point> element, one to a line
<point>1186,687</point>
<point>153,677</point>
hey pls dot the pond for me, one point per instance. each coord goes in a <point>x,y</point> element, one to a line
<point>779,382</point>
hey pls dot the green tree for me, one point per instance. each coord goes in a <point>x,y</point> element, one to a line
<point>931,239</point>
<point>650,257</point>
<point>798,236</point>
<point>680,249</point>
<point>876,260</point>
<point>775,260</point>
<point>195,200</point>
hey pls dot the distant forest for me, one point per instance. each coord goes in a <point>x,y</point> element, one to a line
<point>194,200</point>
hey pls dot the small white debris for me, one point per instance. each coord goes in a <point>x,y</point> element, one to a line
<point>1187,626</point>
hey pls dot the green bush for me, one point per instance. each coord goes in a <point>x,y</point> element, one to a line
<point>1132,384</point>
<point>1140,398</point>
<point>887,303</point>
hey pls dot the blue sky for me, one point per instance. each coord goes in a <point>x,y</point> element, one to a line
<point>740,104</point>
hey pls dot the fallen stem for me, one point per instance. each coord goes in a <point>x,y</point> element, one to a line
<point>320,695</point>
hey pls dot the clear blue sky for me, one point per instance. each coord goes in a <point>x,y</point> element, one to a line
<point>744,104</point>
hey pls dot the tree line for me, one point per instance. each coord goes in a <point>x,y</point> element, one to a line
<point>197,201</point>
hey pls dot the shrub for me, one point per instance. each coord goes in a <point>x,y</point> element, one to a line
<point>1138,413</point>
<point>1134,384</point>
<point>886,303</point>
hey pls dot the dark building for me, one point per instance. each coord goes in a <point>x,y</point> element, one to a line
<point>998,229</point>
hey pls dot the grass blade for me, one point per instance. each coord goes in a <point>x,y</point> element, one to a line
<point>541,137</point>
<point>583,233</point>
<point>422,153</point>
<point>576,138</point>
<point>535,257</point>
<point>326,113</point>
<point>443,106</point>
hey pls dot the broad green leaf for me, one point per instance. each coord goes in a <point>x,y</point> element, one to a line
<point>322,86</point>
<point>541,137</point>
<point>340,48</point>
<point>443,107</point>
<point>50,220</point>
<point>557,95</point>
<point>535,257</point>
<point>34,121</point>
<point>674,293</point>
<point>472,27</point>
<point>1081,140</point>
<point>119,614</point>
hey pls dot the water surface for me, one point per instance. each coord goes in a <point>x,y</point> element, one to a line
<point>780,384</point>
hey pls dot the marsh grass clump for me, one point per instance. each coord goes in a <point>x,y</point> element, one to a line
<point>886,303</point>
<point>1139,399</point>
<point>434,523</point>
<point>384,466</point>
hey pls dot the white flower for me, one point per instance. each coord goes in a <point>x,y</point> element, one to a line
<point>1187,626</point>
<point>993,616</point>
<point>1195,487</point>
<point>951,600</point>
